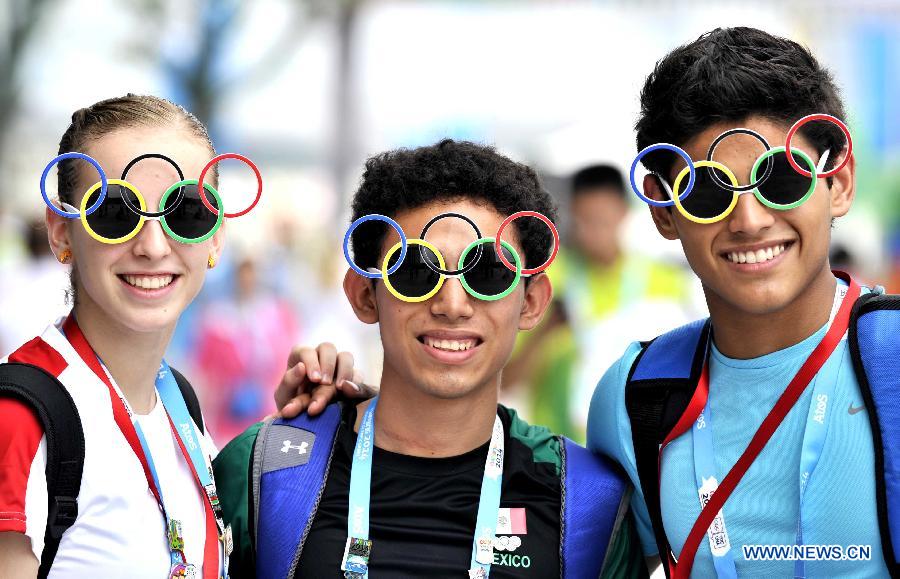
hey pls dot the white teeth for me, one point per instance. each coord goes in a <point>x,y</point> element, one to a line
<point>758,256</point>
<point>450,345</point>
<point>149,281</point>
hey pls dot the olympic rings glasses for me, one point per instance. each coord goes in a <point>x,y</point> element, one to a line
<point>118,210</point>
<point>486,278</point>
<point>783,185</point>
<point>415,276</point>
<point>710,202</point>
<point>187,221</point>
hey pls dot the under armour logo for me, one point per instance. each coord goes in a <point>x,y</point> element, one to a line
<point>300,448</point>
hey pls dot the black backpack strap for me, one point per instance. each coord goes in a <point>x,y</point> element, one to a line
<point>660,385</point>
<point>190,399</point>
<point>65,446</point>
<point>875,321</point>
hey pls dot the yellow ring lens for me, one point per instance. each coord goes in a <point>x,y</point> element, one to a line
<point>97,236</point>
<point>387,278</point>
<point>715,165</point>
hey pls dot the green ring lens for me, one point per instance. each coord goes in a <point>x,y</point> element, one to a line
<point>784,207</point>
<point>512,285</point>
<point>165,225</point>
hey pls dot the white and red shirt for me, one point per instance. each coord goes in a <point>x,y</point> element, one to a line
<point>120,530</point>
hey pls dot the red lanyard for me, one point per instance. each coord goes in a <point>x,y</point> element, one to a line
<point>682,568</point>
<point>123,421</point>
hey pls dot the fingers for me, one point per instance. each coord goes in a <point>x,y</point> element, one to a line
<point>344,369</point>
<point>326,354</point>
<point>357,388</point>
<point>313,378</point>
<point>291,383</point>
<point>322,395</point>
<point>295,406</point>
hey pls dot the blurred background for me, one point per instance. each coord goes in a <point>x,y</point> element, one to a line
<point>309,88</point>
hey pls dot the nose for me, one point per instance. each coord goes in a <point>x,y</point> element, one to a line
<point>152,242</point>
<point>452,302</point>
<point>750,216</point>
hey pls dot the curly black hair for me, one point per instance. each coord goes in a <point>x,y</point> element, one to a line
<point>729,74</point>
<point>404,179</point>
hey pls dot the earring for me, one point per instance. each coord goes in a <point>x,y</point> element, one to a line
<point>65,256</point>
<point>211,261</point>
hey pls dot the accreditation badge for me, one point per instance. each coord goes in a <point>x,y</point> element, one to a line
<point>176,538</point>
<point>183,571</point>
<point>485,551</point>
<point>478,573</point>
<point>355,563</point>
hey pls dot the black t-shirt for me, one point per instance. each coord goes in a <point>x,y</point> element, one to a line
<point>423,510</point>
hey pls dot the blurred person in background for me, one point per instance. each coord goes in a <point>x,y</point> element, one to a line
<point>36,283</point>
<point>604,297</point>
<point>242,342</point>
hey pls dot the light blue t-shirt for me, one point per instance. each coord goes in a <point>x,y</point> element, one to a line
<point>839,502</point>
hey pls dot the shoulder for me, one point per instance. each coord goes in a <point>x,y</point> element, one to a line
<point>237,454</point>
<point>232,475</point>
<point>608,417</point>
<point>543,444</point>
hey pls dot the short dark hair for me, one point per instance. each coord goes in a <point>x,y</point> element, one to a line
<point>404,179</point>
<point>729,74</point>
<point>594,177</point>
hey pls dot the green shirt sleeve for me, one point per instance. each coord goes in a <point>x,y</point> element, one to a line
<point>624,559</point>
<point>232,474</point>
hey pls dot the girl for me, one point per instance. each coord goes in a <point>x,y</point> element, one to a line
<point>147,505</point>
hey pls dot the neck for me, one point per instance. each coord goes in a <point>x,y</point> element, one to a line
<point>411,422</point>
<point>131,357</point>
<point>743,335</point>
<point>607,260</point>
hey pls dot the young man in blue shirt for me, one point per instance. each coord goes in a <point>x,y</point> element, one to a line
<point>771,294</point>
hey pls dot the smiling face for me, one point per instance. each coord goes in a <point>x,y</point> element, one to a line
<point>758,260</point>
<point>453,343</point>
<point>144,284</point>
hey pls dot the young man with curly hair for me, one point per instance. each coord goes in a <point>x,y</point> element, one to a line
<point>772,297</point>
<point>455,481</point>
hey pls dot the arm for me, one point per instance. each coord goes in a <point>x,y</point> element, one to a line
<point>22,466</point>
<point>17,561</point>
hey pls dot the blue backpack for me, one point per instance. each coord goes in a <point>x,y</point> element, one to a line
<point>594,496</point>
<point>665,375</point>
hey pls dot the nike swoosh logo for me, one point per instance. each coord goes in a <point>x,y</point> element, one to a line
<point>853,410</point>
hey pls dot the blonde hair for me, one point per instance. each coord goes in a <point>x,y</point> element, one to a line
<point>106,116</point>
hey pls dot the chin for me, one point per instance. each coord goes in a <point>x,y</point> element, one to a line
<point>763,298</point>
<point>448,389</point>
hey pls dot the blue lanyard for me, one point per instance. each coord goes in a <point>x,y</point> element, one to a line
<point>707,482</point>
<point>173,404</point>
<point>355,563</point>
<point>811,451</point>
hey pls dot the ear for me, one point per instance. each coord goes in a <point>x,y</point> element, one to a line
<point>57,232</point>
<point>218,241</point>
<point>843,189</point>
<point>360,292</point>
<point>663,217</point>
<point>538,294</point>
